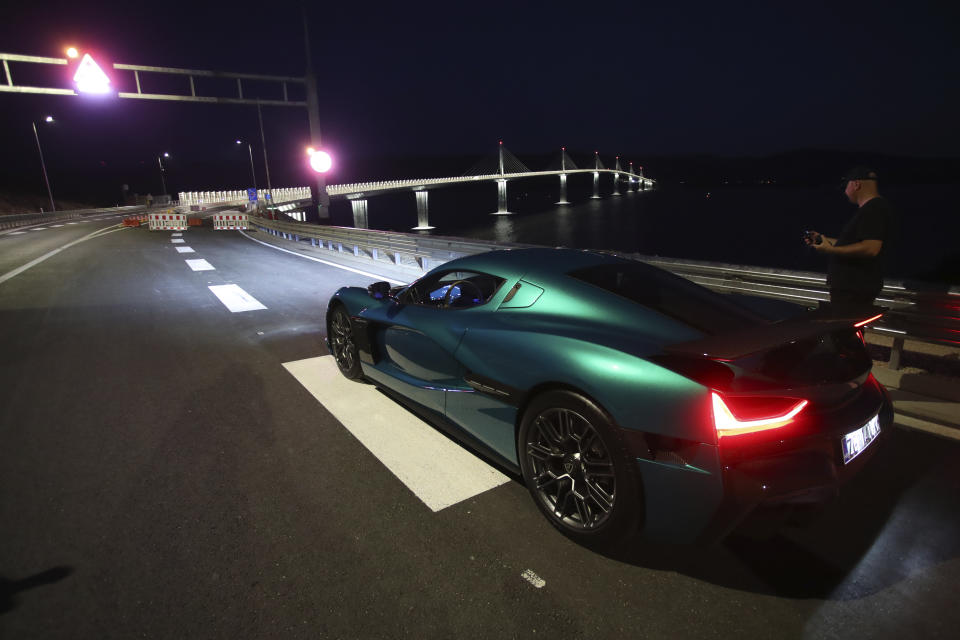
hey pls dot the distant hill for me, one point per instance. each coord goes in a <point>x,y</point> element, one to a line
<point>13,203</point>
<point>806,167</point>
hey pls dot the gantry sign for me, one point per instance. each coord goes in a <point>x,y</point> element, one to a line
<point>89,77</point>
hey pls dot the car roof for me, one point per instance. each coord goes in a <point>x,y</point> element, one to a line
<point>533,264</point>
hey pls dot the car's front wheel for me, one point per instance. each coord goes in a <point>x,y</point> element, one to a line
<point>342,344</point>
<point>574,465</point>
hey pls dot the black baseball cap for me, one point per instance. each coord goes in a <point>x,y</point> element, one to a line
<point>860,173</point>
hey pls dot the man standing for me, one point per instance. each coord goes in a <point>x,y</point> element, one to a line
<point>858,254</point>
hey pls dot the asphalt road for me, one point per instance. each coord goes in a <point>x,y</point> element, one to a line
<point>162,475</point>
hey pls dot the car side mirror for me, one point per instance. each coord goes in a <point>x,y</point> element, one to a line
<point>379,290</point>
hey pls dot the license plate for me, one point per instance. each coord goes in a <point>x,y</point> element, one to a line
<point>855,442</point>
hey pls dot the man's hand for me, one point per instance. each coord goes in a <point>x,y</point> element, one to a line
<point>862,249</point>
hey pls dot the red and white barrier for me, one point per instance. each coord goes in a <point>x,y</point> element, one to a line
<point>168,221</point>
<point>229,221</point>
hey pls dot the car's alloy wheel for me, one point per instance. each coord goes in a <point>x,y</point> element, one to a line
<point>342,344</point>
<point>573,467</point>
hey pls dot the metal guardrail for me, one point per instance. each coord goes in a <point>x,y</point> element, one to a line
<point>918,311</point>
<point>422,252</point>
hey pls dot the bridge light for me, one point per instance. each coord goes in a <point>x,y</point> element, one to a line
<point>48,119</point>
<point>310,151</point>
<point>72,52</point>
<point>90,78</point>
<point>320,161</point>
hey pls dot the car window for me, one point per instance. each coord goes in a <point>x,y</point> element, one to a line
<point>671,295</point>
<point>452,289</point>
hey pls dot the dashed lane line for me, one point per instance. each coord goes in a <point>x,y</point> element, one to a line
<point>437,470</point>
<point>184,249</point>
<point>235,299</point>
<point>199,264</point>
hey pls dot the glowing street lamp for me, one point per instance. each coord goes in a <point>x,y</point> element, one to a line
<point>72,52</point>
<point>43,165</point>
<point>320,161</point>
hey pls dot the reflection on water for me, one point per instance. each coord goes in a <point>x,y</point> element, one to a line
<point>564,227</point>
<point>503,229</point>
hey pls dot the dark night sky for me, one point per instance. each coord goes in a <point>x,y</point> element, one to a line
<point>451,78</point>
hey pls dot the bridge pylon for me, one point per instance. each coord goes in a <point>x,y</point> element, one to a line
<point>597,165</point>
<point>423,217</point>
<point>566,162</point>
<point>616,177</point>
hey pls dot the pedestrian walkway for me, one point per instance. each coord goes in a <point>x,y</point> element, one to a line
<point>923,401</point>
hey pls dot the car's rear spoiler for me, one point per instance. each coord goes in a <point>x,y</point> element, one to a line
<point>731,346</point>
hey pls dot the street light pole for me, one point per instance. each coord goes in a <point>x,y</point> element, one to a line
<point>43,165</point>
<point>252,172</point>
<point>163,181</point>
<point>263,143</point>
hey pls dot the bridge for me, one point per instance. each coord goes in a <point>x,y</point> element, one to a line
<point>501,168</point>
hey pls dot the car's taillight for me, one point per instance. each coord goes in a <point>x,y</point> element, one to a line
<point>867,321</point>
<point>863,340</point>
<point>737,415</point>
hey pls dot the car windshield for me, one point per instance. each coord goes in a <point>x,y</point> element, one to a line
<point>670,295</point>
<point>453,289</point>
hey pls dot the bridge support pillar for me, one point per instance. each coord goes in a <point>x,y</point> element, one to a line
<point>596,185</point>
<point>501,199</point>
<point>563,189</point>
<point>359,213</point>
<point>423,221</point>
<point>616,184</point>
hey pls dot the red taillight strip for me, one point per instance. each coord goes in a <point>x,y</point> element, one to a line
<point>868,320</point>
<point>728,425</point>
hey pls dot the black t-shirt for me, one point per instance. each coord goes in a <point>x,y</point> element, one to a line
<point>875,220</point>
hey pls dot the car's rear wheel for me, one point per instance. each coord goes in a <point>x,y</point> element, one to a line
<point>342,344</point>
<point>575,467</point>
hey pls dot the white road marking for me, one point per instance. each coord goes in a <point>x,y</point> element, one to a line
<point>177,240</point>
<point>329,264</point>
<point>16,233</point>
<point>184,249</point>
<point>54,226</point>
<point>533,579</point>
<point>199,264</point>
<point>436,469</point>
<point>235,298</point>
<point>71,223</point>
<point>178,234</point>
<point>38,229</point>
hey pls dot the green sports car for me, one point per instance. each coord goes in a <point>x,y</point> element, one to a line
<point>628,398</point>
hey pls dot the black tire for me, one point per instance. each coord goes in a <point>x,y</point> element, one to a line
<point>575,467</point>
<point>342,345</point>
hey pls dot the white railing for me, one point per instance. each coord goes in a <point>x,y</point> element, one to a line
<point>225,197</point>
